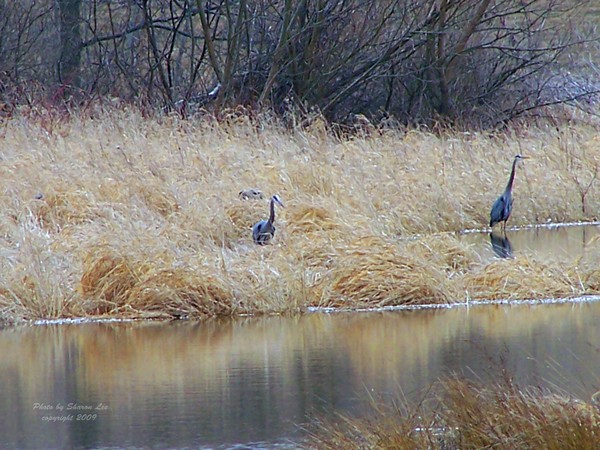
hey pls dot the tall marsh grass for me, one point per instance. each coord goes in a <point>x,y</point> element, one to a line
<point>122,215</point>
<point>469,415</point>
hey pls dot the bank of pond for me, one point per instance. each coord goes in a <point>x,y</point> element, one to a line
<point>371,272</point>
<point>507,376</point>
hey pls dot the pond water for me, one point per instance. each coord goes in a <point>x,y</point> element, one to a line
<point>254,382</point>
<point>552,243</point>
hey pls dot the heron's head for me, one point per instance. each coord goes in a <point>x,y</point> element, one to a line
<point>277,200</point>
<point>518,157</point>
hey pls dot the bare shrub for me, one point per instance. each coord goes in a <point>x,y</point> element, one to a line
<point>474,62</point>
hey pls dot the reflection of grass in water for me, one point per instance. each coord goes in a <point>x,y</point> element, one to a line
<point>375,345</point>
<point>470,415</point>
<point>140,217</point>
<point>146,360</point>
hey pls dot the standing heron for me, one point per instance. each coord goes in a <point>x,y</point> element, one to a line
<point>263,231</point>
<point>502,207</point>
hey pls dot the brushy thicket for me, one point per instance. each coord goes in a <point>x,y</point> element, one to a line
<point>468,415</point>
<point>474,63</point>
<point>115,214</point>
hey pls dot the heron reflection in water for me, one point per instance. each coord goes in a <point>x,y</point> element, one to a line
<point>501,245</point>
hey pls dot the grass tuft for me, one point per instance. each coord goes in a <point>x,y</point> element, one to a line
<point>374,272</point>
<point>305,218</point>
<point>243,216</point>
<point>521,278</point>
<point>507,416</point>
<point>127,286</point>
<point>182,293</point>
<point>446,252</point>
<point>464,414</point>
<point>109,279</point>
<point>63,206</point>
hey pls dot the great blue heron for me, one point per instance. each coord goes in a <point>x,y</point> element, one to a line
<point>502,207</point>
<point>263,231</point>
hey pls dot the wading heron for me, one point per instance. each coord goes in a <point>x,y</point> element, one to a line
<point>502,207</point>
<point>263,231</point>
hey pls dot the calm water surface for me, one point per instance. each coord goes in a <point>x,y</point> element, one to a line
<point>555,243</point>
<point>254,382</point>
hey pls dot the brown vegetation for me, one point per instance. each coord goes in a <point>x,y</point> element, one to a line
<point>120,215</point>
<point>469,415</point>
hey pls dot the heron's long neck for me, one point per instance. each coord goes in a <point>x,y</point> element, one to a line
<point>511,180</point>
<point>272,215</point>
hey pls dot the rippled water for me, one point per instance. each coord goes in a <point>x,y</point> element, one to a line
<point>254,382</point>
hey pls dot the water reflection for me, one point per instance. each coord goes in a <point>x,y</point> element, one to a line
<point>556,243</point>
<point>256,379</point>
<point>501,245</point>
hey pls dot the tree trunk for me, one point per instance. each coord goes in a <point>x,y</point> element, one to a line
<point>70,37</point>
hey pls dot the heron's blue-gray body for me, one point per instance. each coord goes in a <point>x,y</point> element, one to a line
<point>263,232</point>
<point>502,207</point>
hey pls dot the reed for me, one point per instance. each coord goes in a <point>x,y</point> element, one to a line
<point>116,214</point>
<point>372,272</point>
<point>469,415</point>
<point>526,278</point>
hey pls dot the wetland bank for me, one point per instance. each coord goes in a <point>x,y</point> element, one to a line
<point>126,217</point>
<point>121,216</point>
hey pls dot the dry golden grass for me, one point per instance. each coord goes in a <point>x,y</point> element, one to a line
<point>122,215</point>
<point>468,415</point>
<point>376,273</point>
<point>522,278</point>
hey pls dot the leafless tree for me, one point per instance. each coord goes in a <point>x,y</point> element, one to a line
<point>70,42</point>
<point>477,62</point>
